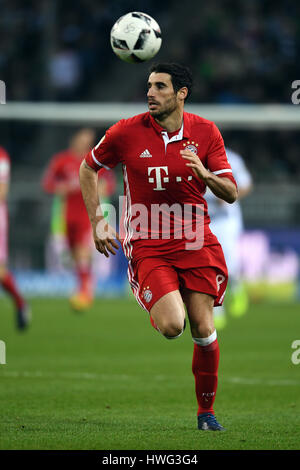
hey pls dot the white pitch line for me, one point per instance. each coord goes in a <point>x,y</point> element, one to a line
<point>62,375</point>
<point>268,382</point>
<point>109,377</point>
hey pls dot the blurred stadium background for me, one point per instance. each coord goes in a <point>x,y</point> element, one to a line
<point>78,382</point>
<point>60,73</point>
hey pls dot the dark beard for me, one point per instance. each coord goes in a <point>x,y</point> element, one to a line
<point>162,115</point>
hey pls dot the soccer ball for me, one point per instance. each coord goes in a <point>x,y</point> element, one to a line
<point>135,37</point>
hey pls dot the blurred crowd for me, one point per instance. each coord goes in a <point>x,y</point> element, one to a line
<point>244,51</point>
<point>59,51</point>
<point>271,156</point>
<point>241,51</point>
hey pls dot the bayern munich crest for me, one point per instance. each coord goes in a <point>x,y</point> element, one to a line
<point>147,295</point>
<point>192,146</point>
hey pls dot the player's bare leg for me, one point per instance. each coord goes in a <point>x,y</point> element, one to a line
<point>168,314</point>
<point>23,313</point>
<point>205,356</point>
<point>200,312</point>
<point>83,298</point>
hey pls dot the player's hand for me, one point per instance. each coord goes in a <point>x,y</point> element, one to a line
<point>194,162</point>
<point>105,238</point>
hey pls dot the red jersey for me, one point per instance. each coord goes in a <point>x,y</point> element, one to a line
<point>155,174</point>
<point>64,168</point>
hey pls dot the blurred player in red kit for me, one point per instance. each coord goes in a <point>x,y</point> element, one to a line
<point>169,157</point>
<point>62,178</point>
<point>23,313</point>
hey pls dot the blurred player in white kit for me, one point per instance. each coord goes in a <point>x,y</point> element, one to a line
<point>7,281</point>
<point>227,225</point>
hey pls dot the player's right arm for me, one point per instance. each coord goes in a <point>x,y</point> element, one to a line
<point>104,155</point>
<point>104,235</point>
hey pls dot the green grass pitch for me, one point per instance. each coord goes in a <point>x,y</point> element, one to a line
<point>107,380</point>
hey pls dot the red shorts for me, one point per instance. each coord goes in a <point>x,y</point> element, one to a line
<point>152,278</point>
<point>78,234</point>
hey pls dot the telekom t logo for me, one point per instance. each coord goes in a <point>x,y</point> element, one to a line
<point>158,176</point>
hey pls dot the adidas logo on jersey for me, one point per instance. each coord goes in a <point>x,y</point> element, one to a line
<point>145,154</point>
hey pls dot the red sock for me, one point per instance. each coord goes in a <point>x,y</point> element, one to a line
<point>85,280</point>
<point>205,369</point>
<point>8,284</point>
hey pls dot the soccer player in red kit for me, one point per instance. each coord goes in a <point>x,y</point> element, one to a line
<point>62,178</point>
<point>7,281</point>
<point>168,157</point>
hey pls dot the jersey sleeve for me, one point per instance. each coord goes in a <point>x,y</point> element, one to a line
<point>4,167</point>
<point>107,153</point>
<point>217,161</point>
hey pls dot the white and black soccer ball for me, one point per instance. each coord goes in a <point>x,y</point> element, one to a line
<point>135,37</point>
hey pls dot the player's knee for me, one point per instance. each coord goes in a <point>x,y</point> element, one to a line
<point>173,329</point>
<point>202,331</point>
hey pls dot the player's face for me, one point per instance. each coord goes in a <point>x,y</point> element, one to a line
<point>83,141</point>
<point>162,99</point>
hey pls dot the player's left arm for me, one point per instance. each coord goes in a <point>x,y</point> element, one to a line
<point>215,171</point>
<point>223,187</point>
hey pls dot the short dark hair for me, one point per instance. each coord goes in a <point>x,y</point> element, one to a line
<point>181,75</point>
